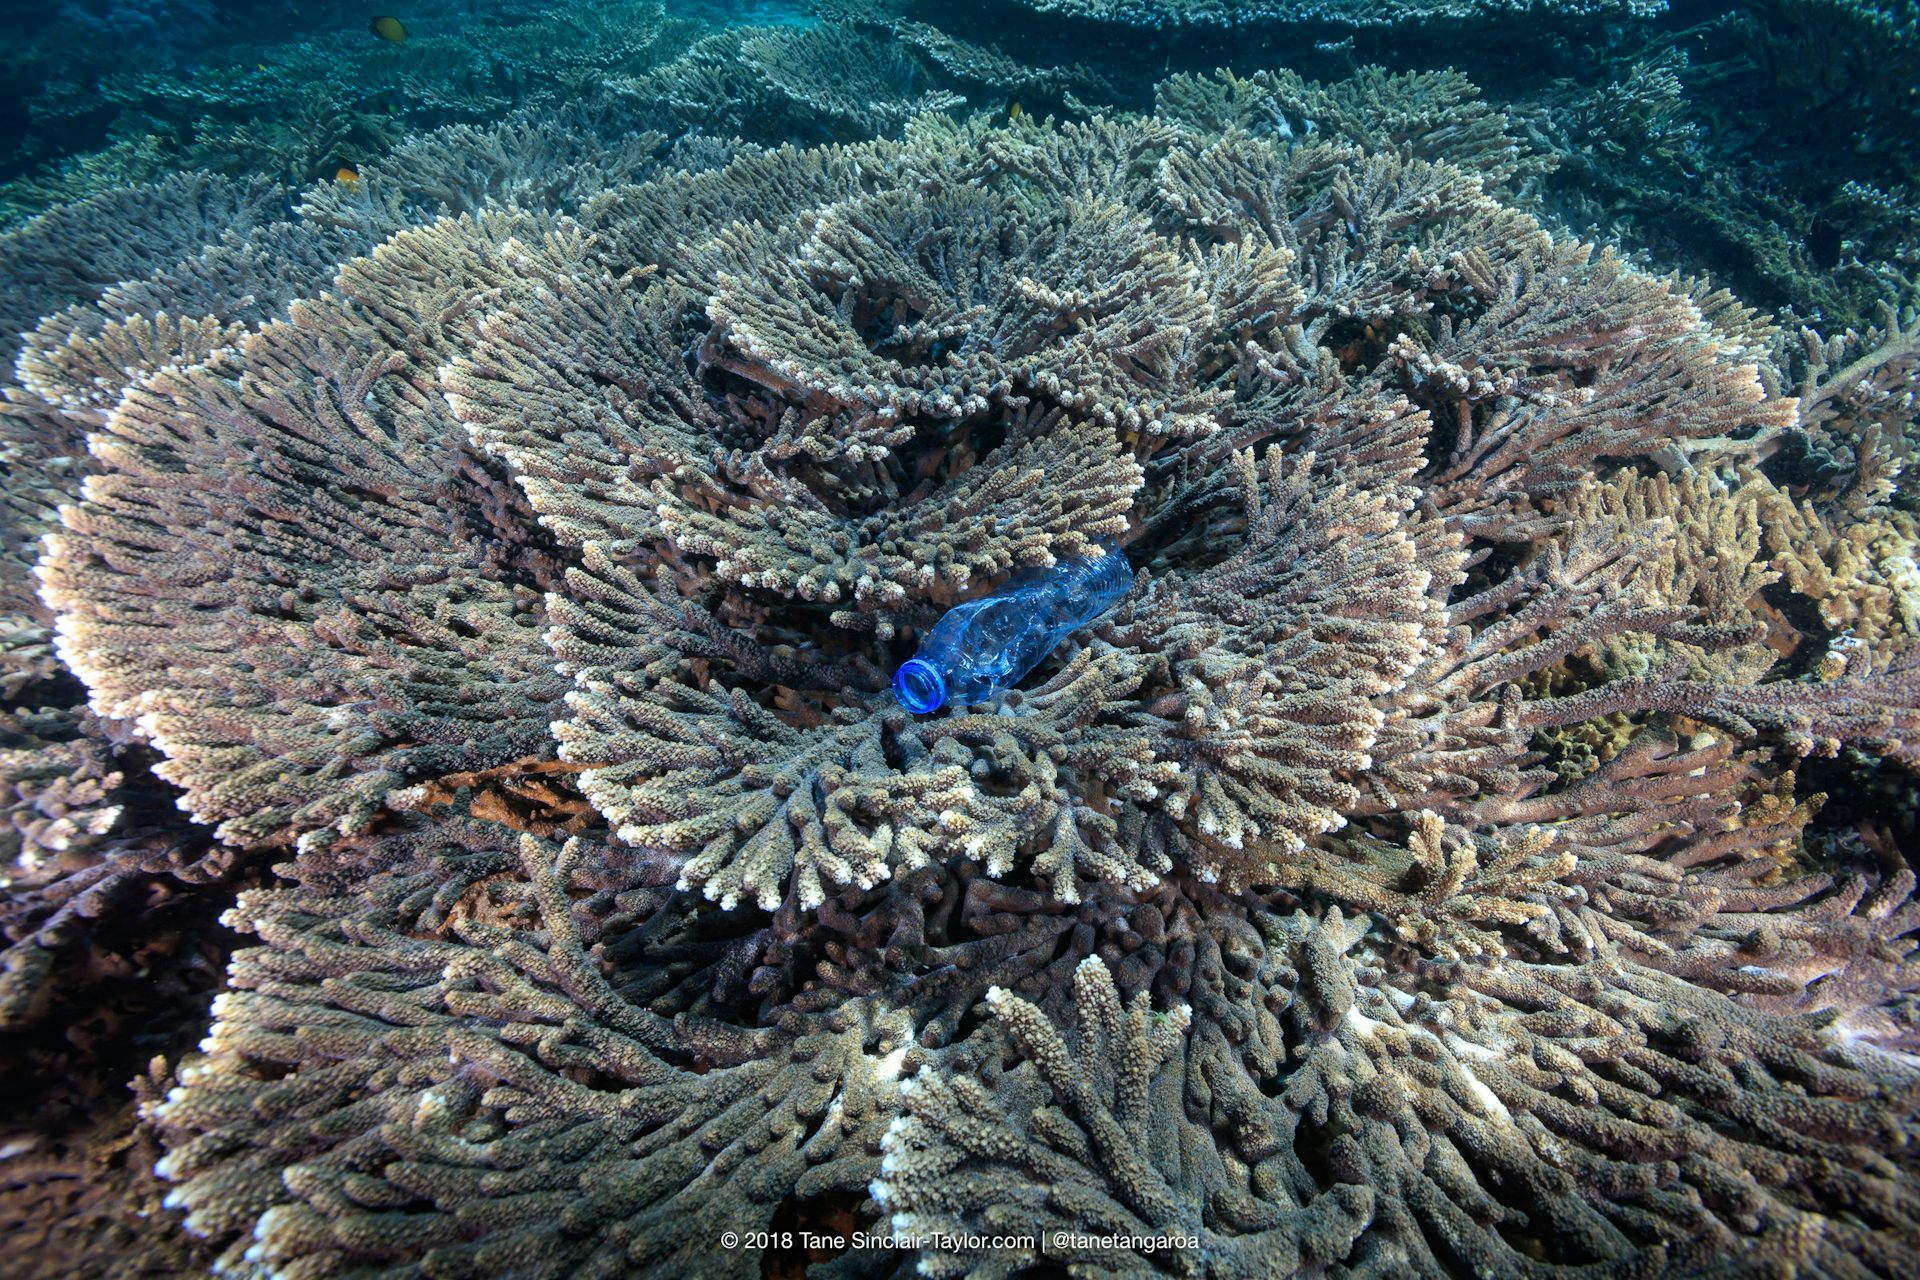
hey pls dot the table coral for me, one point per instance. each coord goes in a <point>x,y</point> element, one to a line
<point>531,592</point>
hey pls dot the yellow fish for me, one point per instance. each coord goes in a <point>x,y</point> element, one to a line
<point>388,29</point>
<point>347,176</point>
<point>1013,111</point>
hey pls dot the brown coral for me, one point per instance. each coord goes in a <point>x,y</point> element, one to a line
<point>541,579</point>
<point>271,583</point>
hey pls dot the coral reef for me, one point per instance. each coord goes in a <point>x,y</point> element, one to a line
<point>75,252</point>
<point>1429,115</point>
<point>821,83</point>
<point>1410,484</point>
<point>376,572</point>
<point>448,612</point>
<point>1176,15</point>
<point>299,97</point>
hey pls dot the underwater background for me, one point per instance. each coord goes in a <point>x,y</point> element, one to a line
<point>866,638</point>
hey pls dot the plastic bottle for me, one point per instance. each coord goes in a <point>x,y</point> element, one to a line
<point>983,647</point>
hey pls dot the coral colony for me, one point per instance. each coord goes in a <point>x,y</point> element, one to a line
<point>1411,781</point>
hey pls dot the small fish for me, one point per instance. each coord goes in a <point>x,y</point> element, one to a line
<point>347,176</point>
<point>259,66</point>
<point>1013,111</point>
<point>388,28</point>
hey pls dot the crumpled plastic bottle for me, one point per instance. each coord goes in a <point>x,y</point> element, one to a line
<point>983,647</point>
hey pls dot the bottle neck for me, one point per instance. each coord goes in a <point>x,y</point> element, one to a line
<point>919,686</point>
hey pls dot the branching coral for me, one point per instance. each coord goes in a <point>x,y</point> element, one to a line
<point>547,1031</point>
<point>538,580</point>
<point>296,102</point>
<point>838,74</point>
<point>372,462</point>
<point>1416,1118</point>
<point>73,253</point>
<point>1432,115</point>
<point>781,82</point>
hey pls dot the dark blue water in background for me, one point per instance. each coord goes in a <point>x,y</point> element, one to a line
<point>1772,146</point>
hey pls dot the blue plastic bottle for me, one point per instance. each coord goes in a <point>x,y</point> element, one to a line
<point>984,646</point>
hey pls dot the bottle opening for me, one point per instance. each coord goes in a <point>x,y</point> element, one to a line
<point>919,687</point>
